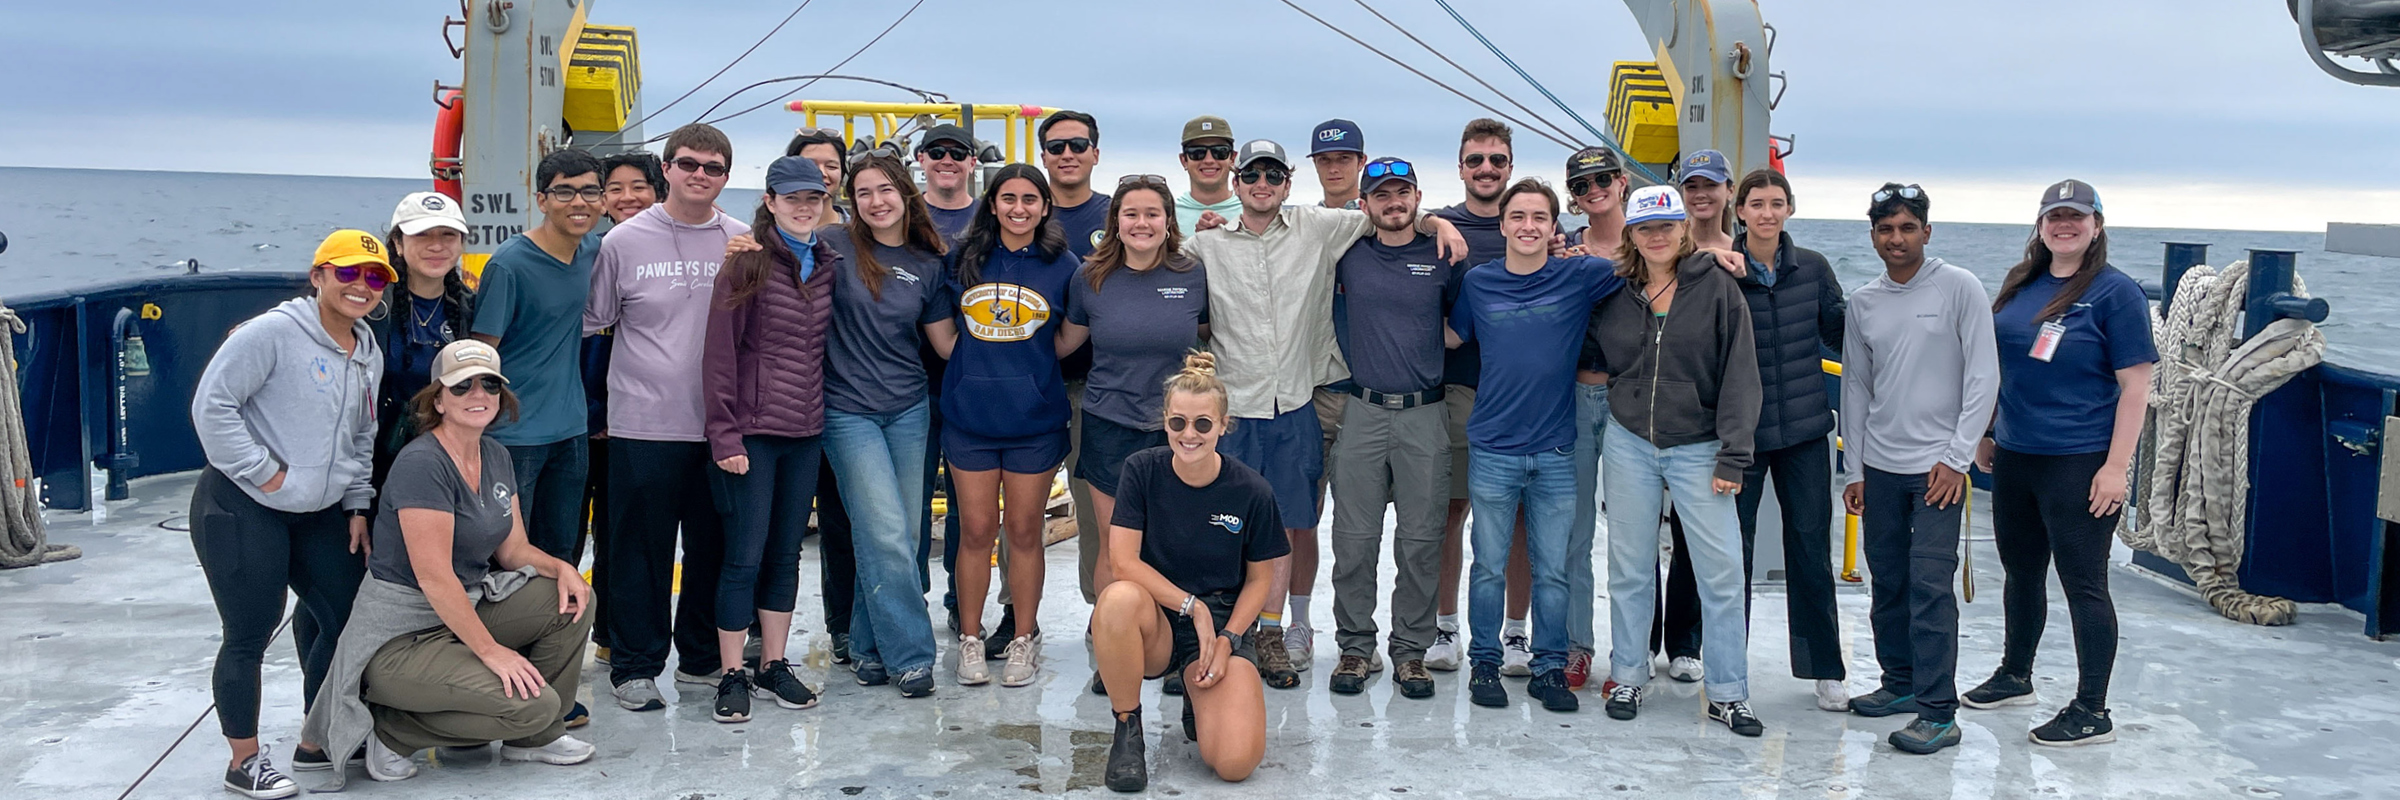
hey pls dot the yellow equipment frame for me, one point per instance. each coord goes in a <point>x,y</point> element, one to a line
<point>1017,143</point>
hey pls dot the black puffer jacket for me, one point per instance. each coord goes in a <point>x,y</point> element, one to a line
<point>1798,323</point>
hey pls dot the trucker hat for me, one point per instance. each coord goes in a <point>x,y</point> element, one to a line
<point>1337,136</point>
<point>1652,203</point>
<point>1206,127</point>
<point>465,359</point>
<point>2070,193</point>
<point>423,211</point>
<point>1260,150</point>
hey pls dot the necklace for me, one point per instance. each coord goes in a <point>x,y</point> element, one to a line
<point>1651,298</point>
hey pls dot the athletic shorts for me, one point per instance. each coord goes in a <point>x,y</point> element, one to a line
<point>1289,451</point>
<point>1105,446</point>
<point>1039,454</point>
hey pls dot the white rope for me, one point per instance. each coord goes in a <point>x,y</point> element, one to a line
<point>2193,506</point>
<point>23,540</point>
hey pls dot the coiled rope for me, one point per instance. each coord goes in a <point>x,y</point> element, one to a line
<point>23,540</point>
<point>2194,504</point>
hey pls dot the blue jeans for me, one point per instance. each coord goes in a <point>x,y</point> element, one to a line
<point>1638,474</point>
<point>1591,428</point>
<point>1542,484</point>
<point>877,458</point>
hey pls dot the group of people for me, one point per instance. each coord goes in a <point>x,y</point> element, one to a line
<point>418,452</point>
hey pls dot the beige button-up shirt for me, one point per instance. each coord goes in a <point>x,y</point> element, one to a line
<point>1270,306</point>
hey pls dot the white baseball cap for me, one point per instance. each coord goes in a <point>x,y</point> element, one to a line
<point>1651,203</point>
<point>423,211</point>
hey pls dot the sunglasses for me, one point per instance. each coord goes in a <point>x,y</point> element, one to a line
<point>1909,192</point>
<point>567,194</point>
<point>947,152</point>
<point>689,164</point>
<point>1219,152</point>
<point>1198,424</point>
<point>1274,177</point>
<point>491,385</point>
<point>1159,181</point>
<point>376,279</point>
<point>1080,144</point>
<point>1395,167</point>
<point>1473,160</point>
<point>1579,186</point>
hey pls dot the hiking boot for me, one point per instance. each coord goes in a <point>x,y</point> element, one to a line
<point>995,646</point>
<point>971,669</point>
<point>1274,665</point>
<point>1925,737</point>
<point>1550,687</point>
<point>1300,645</point>
<point>1350,676</point>
<point>733,697</point>
<point>1736,715</point>
<point>1579,668</point>
<point>2003,689</point>
<point>1686,669</point>
<point>1883,703</point>
<point>1443,655</point>
<point>2075,726</point>
<point>1624,701</point>
<point>600,654</point>
<point>561,751</point>
<point>1128,760</point>
<point>1833,696</point>
<point>1483,686</point>
<point>1516,654</point>
<point>1414,682</point>
<point>916,682</point>
<point>777,682</point>
<point>256,777</point>
<point>871,673</point>
<point>1023,660</point>
<point>639,694</point>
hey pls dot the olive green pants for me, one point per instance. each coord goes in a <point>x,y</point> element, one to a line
<point>428,689</point>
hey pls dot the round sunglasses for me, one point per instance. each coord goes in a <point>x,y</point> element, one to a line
<point>376,279</point>
<point>1197,424</point>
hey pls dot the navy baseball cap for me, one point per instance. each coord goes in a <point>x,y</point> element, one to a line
<point>1708,164</point>
<point>1337,136</point>
<point>2069,193</point>
<point>1387,168</point>
<point>794,174</point>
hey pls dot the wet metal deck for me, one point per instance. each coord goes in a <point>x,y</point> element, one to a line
<point>104,662</point>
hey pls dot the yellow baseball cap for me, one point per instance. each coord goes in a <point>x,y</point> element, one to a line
<point>350,247</point>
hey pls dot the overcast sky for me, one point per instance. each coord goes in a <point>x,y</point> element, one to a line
<point>2185,113</point>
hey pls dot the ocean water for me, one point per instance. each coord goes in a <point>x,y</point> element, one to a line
<point>69,228</point>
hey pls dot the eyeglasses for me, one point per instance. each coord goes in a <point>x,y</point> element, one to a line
<point>376,279</point>
<point>1909,192</point>
<point>1080,144</point>
<point>1219,152</point>
<point>1395,168</point>
<point>1274,177</point>
<point>491,385</point>
<point>949,152</point>
<point>567,194</point>
<point>1473,160</point>
<point>1159,181</point>
<point>1578,186</point>
<point>689,164</point>
<point>1198,424</point>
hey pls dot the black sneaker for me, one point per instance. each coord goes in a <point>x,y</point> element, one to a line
<point>1883,703</point>
<point>995,646</point>
<point>1736,715</point>
<point>257,778</point>
<point>1624,702</point>
<point>1550,687</point>
<point>1350,676</point>
<point>841,648</point>
<point>733,697</point>
<point>1173,685</point>
<point>2075,726</point>
<point>317,761</point>
<point>1191,724</point>
<point>872,673</point>
<point>916,682</point>
<point>1925,737</point>
<point>1414,681</point>
<point>777,682</point>
<point>1483,687</point>
<point>1128,759</point>
<point>2003,689</point>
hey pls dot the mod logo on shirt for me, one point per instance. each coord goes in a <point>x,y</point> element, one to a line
<point>1232,524</point>
<point>1004,312</point>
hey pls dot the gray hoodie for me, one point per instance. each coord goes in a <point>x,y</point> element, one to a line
<point>279,395</point>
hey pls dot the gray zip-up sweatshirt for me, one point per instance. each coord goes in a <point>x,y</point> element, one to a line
<point>280,395</point>
<point>1690,376</point>
<point>1919,372</point>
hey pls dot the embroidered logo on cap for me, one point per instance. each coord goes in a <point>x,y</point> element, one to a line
<point>1332,135</point>
<point>432,202</point>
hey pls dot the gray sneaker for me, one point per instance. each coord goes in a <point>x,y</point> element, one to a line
<point>639,694</point>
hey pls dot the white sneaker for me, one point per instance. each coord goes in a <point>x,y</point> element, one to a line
<point>1023,656</point>
<point>562,751</point>
<point>1300,641</point>
<point>971,669</point>
<point>1686,669</point>
<point>639,694</point>
<point>1516,654</point>
<point>1443,655</point>
<point>385,765</point>
<point>1833,696</point>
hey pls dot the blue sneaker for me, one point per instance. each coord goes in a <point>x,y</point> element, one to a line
<point>1883,703</point>
<point>1925,737</point>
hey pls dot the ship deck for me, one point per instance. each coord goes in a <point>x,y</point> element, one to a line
<point>104,674</point>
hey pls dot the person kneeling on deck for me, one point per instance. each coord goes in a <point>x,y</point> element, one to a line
<point>443,649</point>
<point>1193,542</point>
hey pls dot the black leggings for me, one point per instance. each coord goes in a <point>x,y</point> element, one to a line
<point>2041,516</point>
<point>250,554</point>
<point>766,515</point>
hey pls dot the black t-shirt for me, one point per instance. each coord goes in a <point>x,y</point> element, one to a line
<point>1202,538</point>
<point>1463,366</point>
<point>423,476</point>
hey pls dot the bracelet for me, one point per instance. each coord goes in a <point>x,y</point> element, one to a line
<point>1187,604</point>
<point>1228,634</point>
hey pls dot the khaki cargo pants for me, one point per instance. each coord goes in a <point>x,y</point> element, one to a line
<point>429,690</point>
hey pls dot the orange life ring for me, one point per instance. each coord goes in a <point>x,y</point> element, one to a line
<point>449,131</point>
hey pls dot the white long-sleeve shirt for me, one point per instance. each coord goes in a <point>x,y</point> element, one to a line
<point>1919,372</point>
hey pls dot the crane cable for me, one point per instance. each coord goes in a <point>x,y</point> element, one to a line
<point>1628,158</point>
<point>787,20</point>
<point>1554,127</point>
<point>862,49</point>
<point>1430,79</point>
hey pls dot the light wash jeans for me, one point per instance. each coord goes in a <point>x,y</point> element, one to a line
<point>880,461</point>
<point>1638,474</point>
<point>1591,428</point>
<point>1543,484</point>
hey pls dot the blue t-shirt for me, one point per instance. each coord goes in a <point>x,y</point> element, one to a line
<point>1003,381</point>
<point>953,224</point>
<point>1393,340</point>
<point>534,304</point>
<point>1532,329</point>
<point>1484,244</point>
<point>1083,224</point>
<point>1142,322</point>
<point>2068,405</point>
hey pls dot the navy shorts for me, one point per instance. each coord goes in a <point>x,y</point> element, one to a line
<point>1105,446</point>
<point>1289,451</point>
<point>1039,454</point>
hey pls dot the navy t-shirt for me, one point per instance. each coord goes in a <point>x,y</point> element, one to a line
<point>423,329</point>
<point>2068,405</point>
<point>871,363</point>
<point>1464,365</point>
<point>1083,224</point>
<point>1201,538</point>
<point>952,224</point>
<point>1534,326</point>
<point>534,304</point>
<point>1388,312</point>
<point>1141,325</point>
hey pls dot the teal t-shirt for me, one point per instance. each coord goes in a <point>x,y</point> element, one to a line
<point>534,304</point>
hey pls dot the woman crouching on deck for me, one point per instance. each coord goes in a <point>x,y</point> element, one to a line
<point>1192,540</point>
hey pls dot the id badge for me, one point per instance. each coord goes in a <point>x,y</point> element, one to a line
<point>2045,344</point>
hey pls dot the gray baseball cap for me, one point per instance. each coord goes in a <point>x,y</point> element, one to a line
<point>2069,193</point>
<point>1258,150</point>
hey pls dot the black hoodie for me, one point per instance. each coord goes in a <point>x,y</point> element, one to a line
<point>1690,376</point>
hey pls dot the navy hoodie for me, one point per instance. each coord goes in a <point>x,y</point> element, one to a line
<point>1004,381</point>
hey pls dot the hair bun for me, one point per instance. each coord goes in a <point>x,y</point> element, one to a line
<point>1200,362</point>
